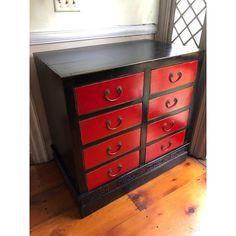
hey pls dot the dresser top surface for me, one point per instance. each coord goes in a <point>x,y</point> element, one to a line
<point>83,60</point>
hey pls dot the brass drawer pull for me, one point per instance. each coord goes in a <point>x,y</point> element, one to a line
<point>119,168</point>
<point>107,92</point>
<point>109,152</point>
<point>171,76</point>
<point>164,126</point>
<point>169,105</point>
<point>119,121</point>
<point>163,148</point>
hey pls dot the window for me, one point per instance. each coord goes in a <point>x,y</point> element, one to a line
<point>188,22</point>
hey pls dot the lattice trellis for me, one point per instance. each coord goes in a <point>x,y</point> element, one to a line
<point>188,22</point>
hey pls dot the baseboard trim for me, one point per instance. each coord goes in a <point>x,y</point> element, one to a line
<point>47,37</point>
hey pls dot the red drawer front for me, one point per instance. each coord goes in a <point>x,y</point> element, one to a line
<point>110,149</point>
<point>93,97</point>
<point>110,123</point>
<point>166,126</point>
<point>112,170</point>
<point>165,145</point>
<point>173,76</point>
<point>170,102</point>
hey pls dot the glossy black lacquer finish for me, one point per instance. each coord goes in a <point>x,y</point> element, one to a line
<point>61,71</point>
<point>78,61</point>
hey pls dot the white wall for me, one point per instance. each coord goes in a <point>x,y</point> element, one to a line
<point>93,13</point>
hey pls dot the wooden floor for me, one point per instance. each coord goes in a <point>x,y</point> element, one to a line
<point>170,204</point>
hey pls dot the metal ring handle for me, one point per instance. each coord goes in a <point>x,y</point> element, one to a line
<point>163,148</point>
<point>109,172</point>
<point>107,92</point>
<point>169,105</point>
<point>164,126</point>
<point>171,76</point>
<point>119,122</point>
<point>109,152</point>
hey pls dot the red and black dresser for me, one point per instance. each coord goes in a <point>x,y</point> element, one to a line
<point>119,114</point>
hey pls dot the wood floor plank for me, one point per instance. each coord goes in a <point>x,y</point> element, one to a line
<point>159,202</point>
<point>49,204</point>
<point>166,183</point>
<point>176,214</point>
<point>98,222</point>
<point>44,177</point>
